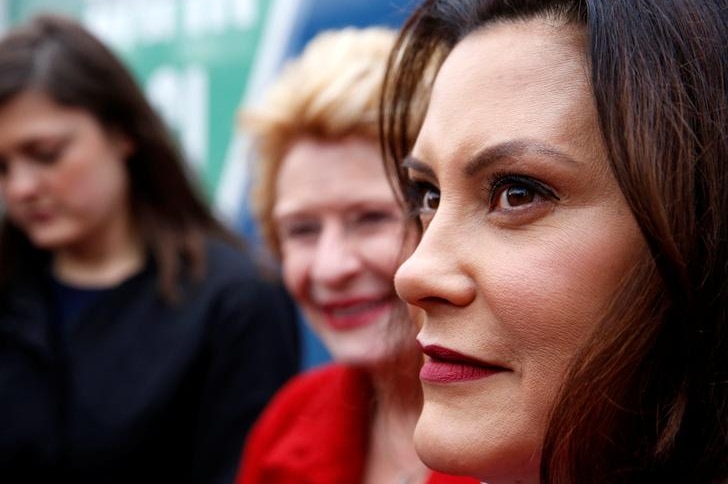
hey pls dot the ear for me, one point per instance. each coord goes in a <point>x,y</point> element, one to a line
<point>127,146</point>
<point>122,143</point>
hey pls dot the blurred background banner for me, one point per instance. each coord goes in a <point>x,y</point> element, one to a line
<point>194,58</point>
<point>201,61</point>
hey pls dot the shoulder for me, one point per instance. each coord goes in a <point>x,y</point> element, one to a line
<point>233,270</point>
<point>222,258</point>
<point>233,297</point>
<point>318,386</point>
<point>315,393</point>
<point>316,424</point>
<point>240,295</point>
<point>437,478</point>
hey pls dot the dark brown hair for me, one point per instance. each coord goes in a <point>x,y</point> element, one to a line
<point>58,57</point>
<point>646,400</point>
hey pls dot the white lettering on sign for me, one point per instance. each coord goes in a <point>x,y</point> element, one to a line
<point>127,23</point>
<point>182,99</point>
<point>202,17</point>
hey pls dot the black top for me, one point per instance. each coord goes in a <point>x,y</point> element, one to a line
<point>68,301</point>
<point>141,390</point>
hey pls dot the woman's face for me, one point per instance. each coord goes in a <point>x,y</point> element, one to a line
<point>526,238</point>
<point>62,176</point>
<point>340,230</point>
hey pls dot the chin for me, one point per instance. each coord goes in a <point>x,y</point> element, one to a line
<point>442,447</point>
<point>364,346</point>
<point>356,355</point>
<point>49,240</point>
<point>458,443</point>
<point>47,243</point>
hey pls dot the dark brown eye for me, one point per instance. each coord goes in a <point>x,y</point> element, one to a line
<point>516,196</point>
<point>431,200</point>
<point>424,197</point>
<point>515,191</point>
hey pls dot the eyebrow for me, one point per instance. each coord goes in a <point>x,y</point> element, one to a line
<point>491,154</point>
<point>414,164</point>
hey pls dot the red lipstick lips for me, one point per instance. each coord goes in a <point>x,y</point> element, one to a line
<point>448,366</point>
<point>355,313</point>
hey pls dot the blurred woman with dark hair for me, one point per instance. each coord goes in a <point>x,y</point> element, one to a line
<point>138,341</point>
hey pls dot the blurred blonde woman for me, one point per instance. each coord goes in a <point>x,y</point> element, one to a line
<point>327,212</point>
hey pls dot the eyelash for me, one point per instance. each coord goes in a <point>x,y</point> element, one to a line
<point>47,157</point>
<point>370,219</point>
<point>50,153</point>
<point>415,193</point>
<point>45,154</point>
<point>498,181</point>
<point>505,180</point>
<point>299,230</point>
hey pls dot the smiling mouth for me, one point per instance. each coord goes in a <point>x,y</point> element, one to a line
<point>443,365</point>
<point>355,314</point>
<point>39,217</point>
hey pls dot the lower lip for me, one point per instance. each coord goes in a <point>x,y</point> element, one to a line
<point>359,319</point>
<point>40,217</point>
<point>451,372</point>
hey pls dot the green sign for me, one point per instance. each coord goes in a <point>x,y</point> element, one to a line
<point>193,58</point>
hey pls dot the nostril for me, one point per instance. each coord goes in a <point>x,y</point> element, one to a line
<point>431,300</point>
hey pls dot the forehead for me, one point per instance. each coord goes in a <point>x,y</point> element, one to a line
<point>522,79</point>
<point>30,101</point>
<point>330,175</point>
<point>32,112</point>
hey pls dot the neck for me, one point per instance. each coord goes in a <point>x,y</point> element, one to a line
<point>392,457</point>
<point>107,258</point>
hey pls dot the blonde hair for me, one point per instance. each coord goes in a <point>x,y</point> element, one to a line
<point>330,92</point>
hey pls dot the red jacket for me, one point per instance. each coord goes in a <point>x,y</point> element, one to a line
<point>315,431</point>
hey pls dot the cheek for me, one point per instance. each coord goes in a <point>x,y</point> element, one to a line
<point>295,267</point>
<point>551,295</point>
<point>416,316</point>
<point>383,253</point>
<point>87,186</point>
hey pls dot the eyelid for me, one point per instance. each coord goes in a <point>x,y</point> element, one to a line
<point>374,214</point>
<point>288,228</point>
<point>412,164</point>
<point>417,178</point>
<point>47,150</point>
<point>421,185</point>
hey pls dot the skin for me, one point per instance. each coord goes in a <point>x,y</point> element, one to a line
<point>528,243</point>
<point>63,182</point>
<point>341,231</point>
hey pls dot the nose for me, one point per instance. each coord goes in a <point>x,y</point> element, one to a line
<point>336,260</point>
<point>436,271</point>
<point>20,182</point>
